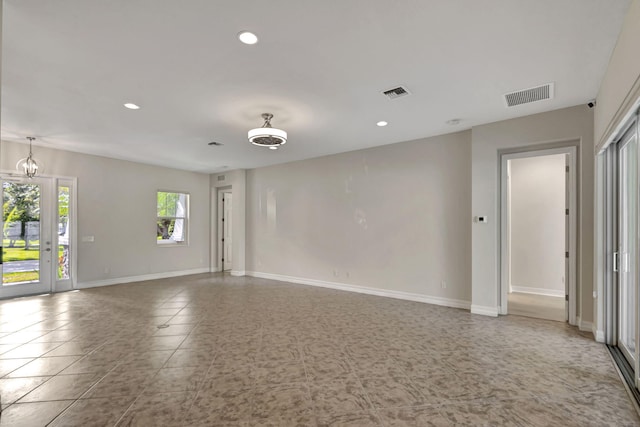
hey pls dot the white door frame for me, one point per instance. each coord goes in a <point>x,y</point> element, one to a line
<point>216,226</point>
<point>54,181</point>
<point>221,216</point>
<point>47,248</point>
<point>572,187</point>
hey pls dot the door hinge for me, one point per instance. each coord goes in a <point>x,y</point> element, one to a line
<point>566,297</point>
<point>566,254</point>
<point>223,239</point>
<point>616,260</point>
<point>566,211</point>
<point>566,168</point>
<point>222,259</point>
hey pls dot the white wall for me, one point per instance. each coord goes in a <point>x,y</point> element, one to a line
<point>537,224</point>
<point>393,218</point>
<point>569,124</point>
<point>618,98</point>
<point>117,205</point>
<point>620,87</point>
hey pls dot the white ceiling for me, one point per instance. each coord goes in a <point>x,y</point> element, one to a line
<point>319,67</point>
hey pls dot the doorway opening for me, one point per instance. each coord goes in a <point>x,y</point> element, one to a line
<point>37,224</point>
<point>225,227</point>
<point>538,238</point>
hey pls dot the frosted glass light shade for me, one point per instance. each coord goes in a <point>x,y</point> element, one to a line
<point>267,137</point>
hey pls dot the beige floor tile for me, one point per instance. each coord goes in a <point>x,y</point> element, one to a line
<point>30,350</point>
<point>122,383</point>
<point>190,358</point>
<point>221,407</point>
<point>44,366</point>
<point>32,414</point>
<point>282,405</point>
<point>62,387</point>
<point>419,416</point>
<point>339,397</point>
<point>166,409</point>
<point>12,389</point>
<point>93,412</point>
<point>357,419</point>
<point>9,365</point>
<point>392,392</point>
<point>176,379</point>
<point>278,372</point>
<point>254,352</point>
<point>146,359</point>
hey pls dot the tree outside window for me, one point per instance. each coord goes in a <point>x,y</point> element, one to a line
<point>172,217</point>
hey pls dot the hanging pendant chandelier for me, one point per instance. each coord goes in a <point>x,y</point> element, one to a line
<point>267,136</point>
<point>28,166</point>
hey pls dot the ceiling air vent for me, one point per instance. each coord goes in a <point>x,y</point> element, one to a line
<point>538,93</point>
<point>396,92</point>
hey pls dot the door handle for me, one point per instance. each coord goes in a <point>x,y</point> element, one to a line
<point>616,258</point>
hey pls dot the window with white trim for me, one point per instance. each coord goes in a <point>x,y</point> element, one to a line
<point>172,217</point>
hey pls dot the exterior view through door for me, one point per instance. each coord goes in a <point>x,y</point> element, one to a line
<point>34,223</point>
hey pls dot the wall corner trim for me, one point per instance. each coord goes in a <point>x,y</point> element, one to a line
<point>484,310</point>
<point>446,302</point>
<point>141,278</point>
<point>585,326</point>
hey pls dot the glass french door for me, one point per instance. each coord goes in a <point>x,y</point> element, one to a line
<point>28,244</point>
<point>627,257</point>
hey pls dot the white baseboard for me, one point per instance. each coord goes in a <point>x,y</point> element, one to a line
<point>484,310</point>
<point>584,326</point>
<point>238,273</point>
<point>446,302</point>
<point>141,278</point>
<point>598,334</point>
<point>538,291</point>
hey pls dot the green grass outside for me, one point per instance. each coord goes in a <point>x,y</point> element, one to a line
<point>19,254</point>
<point>21,276</point>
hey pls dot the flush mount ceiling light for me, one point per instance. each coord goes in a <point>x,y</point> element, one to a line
<point>382,123</point>
<point>453,122</point>
<point>266,136</point>
<point>247,37</point>
<point>132,106</point>
<point>28,166</point>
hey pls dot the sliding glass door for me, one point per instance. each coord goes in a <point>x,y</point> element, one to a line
<point>627,257</point>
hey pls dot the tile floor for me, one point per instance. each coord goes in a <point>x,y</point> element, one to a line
<point>538,306</point>
<point>251,352</point>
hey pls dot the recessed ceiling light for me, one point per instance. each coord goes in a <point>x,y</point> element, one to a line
<point>453,122</point>
<point>131,106</point>
<point>382,123</point>
<point>247,38</point>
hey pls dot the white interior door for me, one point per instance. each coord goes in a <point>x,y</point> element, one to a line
<point>567,228</point>
<point>226,231</point>
<point>27,238</point>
